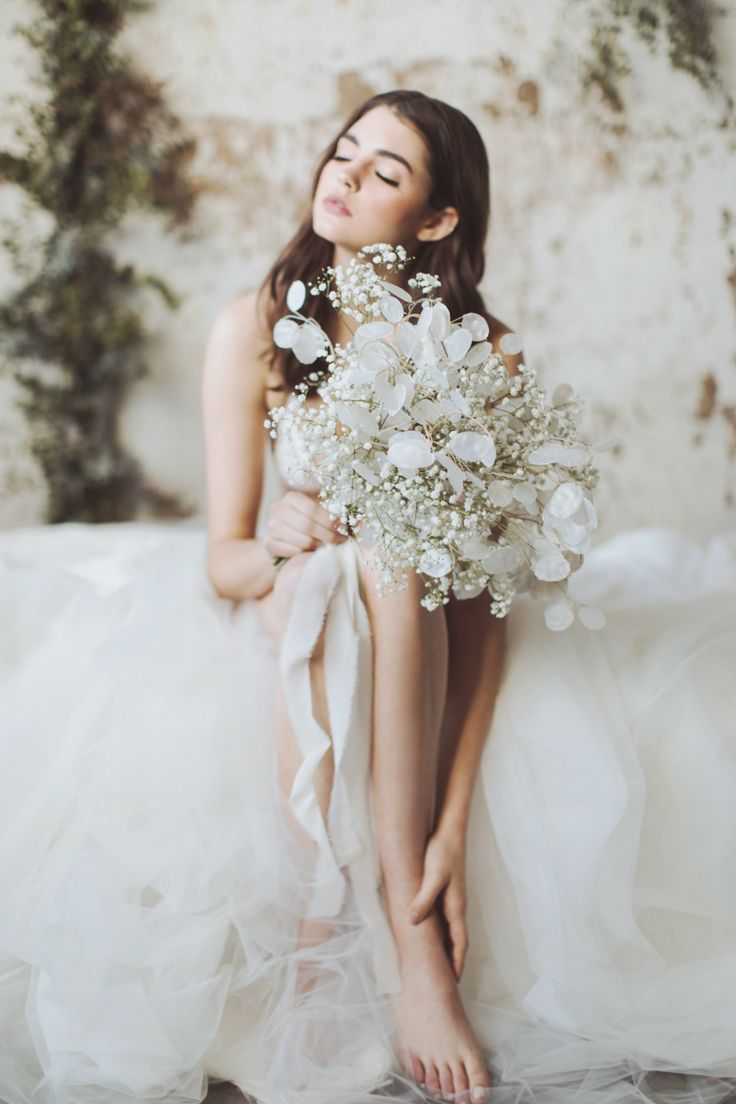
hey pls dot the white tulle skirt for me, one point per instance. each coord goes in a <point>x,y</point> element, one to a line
<point>153,876</point>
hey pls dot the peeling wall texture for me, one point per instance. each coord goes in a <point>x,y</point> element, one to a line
<point>612,248</point>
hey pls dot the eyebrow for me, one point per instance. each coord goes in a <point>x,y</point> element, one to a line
<point>384,152</point>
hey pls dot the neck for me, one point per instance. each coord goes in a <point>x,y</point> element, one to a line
<point>342,256</point>
<point>341,330</point>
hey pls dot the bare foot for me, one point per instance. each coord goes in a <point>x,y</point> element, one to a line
<point>437,1045</point>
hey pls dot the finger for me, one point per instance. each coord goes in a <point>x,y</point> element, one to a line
<point>424,901</point>
<point>285,534</point>
<point>459,941</point>
<point>459,953</point>
<point>310,505</point>
<point>335,527</point>
<point>318,516</point>
<point>326,532</point>
<point>306,504</point>
<point>454,903</point>
<point>304,523</point>
<point>446,940</point>
<point>288,534</point>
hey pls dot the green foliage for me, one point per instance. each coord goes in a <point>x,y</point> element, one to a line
<point>100,144</point>
<point>687,26</point>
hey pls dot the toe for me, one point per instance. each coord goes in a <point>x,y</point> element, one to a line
<point>462,1085</point>
<point>417,1071</point>
<point>433,1079</point>
<point>447,1083</point>
<point>479,1081</point>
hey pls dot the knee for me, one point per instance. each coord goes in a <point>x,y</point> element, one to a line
<point>407,598</point>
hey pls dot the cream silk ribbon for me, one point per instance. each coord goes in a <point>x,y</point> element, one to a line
<point>329,593</point>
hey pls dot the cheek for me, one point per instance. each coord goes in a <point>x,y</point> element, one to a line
<point>325,180</point>
<point>403,210</point>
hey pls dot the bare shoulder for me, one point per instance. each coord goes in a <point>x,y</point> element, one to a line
<point>244,316</point>
<point>238,345</point>
<point>498,330</point>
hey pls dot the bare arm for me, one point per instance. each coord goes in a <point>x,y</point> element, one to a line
<point>239,566</point>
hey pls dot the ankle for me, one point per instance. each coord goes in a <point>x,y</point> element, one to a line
<point>414,939</point>
<point>399,891</point>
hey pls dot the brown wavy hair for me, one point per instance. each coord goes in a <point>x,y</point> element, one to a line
<point>460,176</point>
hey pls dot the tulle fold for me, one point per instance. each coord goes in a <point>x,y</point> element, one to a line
<point>154,879</point>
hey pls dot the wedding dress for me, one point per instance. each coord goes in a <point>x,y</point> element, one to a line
<point>153,876</point>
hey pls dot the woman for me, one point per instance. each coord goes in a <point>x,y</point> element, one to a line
<point>411,170</point>
<point>226,787</point>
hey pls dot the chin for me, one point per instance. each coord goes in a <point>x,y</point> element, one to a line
<point>323,231</point>
<point>326,229</point>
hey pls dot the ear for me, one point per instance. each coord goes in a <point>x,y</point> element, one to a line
<point>439,225</point>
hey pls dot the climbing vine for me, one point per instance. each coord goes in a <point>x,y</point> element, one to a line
<point>685,25</point>
<point>99,143</point>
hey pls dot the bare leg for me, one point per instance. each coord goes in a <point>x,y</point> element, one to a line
<point>274,609</point>
<point>436,1043</point>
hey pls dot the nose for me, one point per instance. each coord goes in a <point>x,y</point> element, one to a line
<point>348,178</point>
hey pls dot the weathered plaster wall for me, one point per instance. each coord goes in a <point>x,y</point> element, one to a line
<point>613,241</point>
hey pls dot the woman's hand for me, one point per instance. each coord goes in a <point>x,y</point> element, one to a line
<point>298,523</point>
<point>444,874</point>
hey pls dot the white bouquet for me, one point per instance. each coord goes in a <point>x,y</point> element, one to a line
<point>430,452</point>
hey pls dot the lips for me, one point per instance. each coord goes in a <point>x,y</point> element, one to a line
<point>335,204</point>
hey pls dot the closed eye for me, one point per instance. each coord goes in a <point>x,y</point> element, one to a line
<point>393,183</point>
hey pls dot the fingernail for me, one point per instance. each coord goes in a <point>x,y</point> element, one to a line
<point>480,1093</point>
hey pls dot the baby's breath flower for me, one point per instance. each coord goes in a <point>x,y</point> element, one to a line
<point>468,476</point>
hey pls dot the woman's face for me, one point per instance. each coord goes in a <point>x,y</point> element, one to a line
<point>375,188</point>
